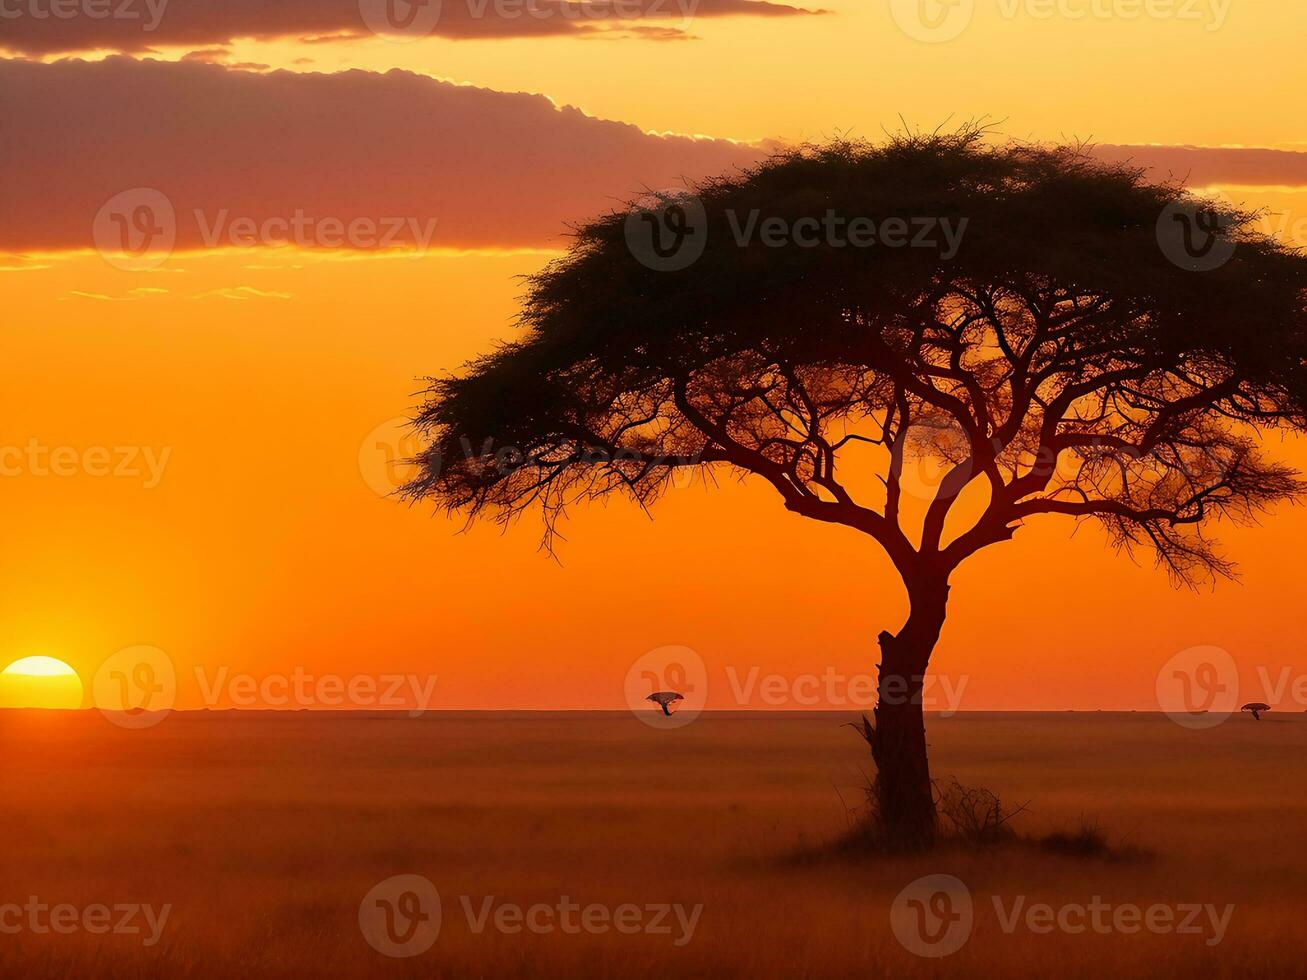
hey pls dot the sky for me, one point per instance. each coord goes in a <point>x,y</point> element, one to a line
<point>197,444</point>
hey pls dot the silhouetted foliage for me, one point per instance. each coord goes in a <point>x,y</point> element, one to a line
<point>1060,360</point>
<point>1088,840</point>
<point>974,814</point>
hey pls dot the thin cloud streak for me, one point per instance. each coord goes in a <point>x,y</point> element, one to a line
<point>144,25</point>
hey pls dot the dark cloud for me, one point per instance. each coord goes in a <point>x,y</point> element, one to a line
<point>1200,166</point>
<point>493,168</point>
<point>141,25</point>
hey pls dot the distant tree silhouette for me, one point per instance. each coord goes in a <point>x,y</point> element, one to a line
<point>1062,361</point>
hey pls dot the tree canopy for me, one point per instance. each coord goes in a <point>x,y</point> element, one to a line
<point>1061,357</point>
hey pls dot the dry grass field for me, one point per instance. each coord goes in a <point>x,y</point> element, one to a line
<point>264,832</point>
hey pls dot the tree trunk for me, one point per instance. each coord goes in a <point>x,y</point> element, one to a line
<point>903,792</point>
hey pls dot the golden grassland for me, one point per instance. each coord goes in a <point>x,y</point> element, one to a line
<point>265,830</point>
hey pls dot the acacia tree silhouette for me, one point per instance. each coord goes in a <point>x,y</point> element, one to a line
<point>1060,361</point>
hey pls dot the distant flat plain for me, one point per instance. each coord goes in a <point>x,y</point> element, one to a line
<point>265,830</point>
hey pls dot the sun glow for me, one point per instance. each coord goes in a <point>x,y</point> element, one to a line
<point>40,667</point>
<point>40,682</point>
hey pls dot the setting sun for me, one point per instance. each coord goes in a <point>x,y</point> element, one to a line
<point>40,682</point>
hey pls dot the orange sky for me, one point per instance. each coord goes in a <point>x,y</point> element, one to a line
<point>257,378</point>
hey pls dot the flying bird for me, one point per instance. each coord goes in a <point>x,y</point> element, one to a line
<point>665,699</point>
